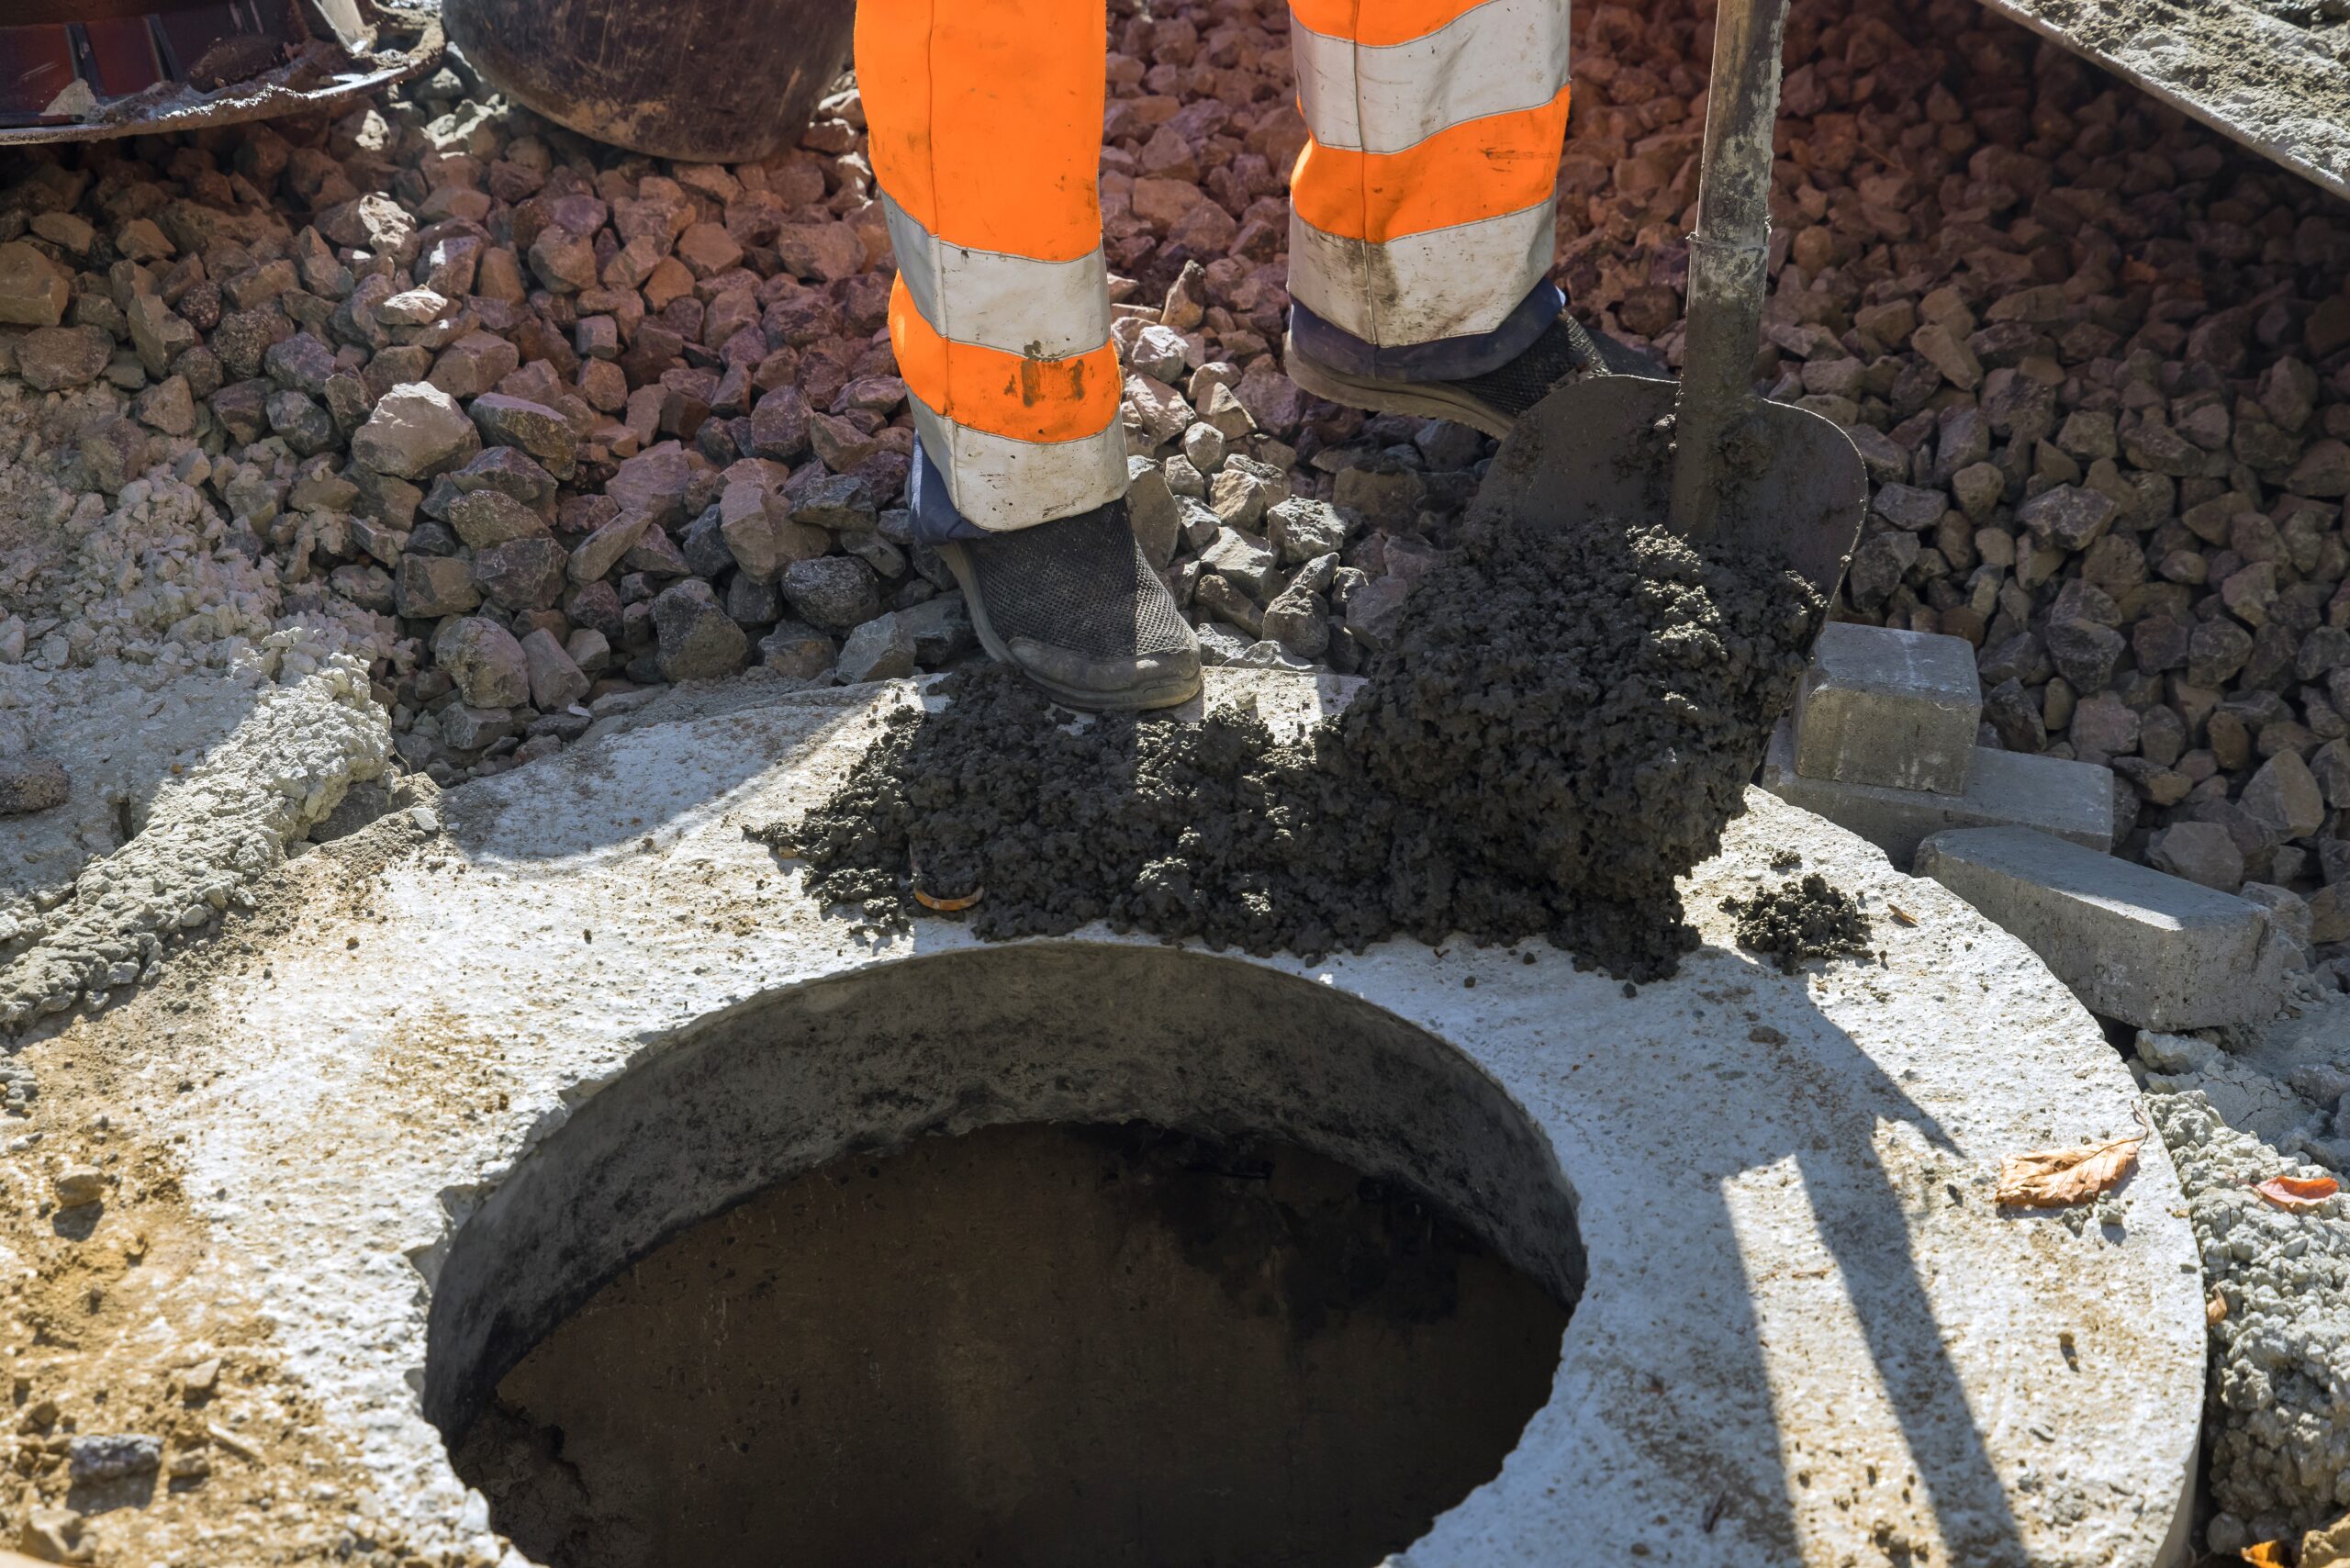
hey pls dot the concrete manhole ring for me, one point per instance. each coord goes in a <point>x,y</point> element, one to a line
<point>1804,1333</point>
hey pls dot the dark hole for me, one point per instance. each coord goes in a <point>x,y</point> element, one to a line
<point>1046,1346</point>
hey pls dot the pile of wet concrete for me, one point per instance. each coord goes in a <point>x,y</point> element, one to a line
<point>1799,920</point>
<point>1560,730</point>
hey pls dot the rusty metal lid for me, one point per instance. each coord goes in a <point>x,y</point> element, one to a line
<point>83,70</point>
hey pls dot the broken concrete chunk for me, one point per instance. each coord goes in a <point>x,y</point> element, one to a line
<point>79,1185</point>
<point>538,430</point>
<point>112,1456</point>
<point>556,679</point>
<point>485,662</point>
<point>1242,559</point>
<point>51,359</point>
<point>1151,511</point>
<point>698,641</point>
<point>1881,706</point>
<point>2153,950</point>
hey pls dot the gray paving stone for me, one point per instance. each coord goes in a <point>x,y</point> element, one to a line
<point>2004,789</point>
<point>2153,950</point>
<point>1882,706</point>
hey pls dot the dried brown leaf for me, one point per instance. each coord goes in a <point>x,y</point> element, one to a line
<point>2297,1194</point>
<point>2057,1178</point>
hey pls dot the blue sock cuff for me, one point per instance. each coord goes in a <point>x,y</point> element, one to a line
<point>935,520</point>
<point>1447,359</point>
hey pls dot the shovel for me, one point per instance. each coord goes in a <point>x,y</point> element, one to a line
<point>1704,454</point>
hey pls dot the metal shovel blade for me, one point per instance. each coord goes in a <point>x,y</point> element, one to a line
<point>1600,450</point>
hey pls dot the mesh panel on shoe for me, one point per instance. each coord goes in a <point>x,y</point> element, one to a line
<point>1079,583</point>
<point>1564,348</point>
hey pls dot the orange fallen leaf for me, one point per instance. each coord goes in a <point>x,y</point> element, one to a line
<point>2268,1555</point>
<point>2297,1194</point>
<point>2056,1178</point>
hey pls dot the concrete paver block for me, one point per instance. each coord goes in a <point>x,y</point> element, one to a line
<point>1883,706</point>
<point>2005,788</point>
<point>2135,944</point>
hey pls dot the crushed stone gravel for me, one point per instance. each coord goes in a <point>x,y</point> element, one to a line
<point>2278,1430</point>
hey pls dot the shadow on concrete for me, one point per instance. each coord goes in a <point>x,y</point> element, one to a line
<point>1863,1218</point>
<point>125,734</point>
<point>701,743</point>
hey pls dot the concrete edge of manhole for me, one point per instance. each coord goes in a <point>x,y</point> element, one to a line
<point>1806,1332</point>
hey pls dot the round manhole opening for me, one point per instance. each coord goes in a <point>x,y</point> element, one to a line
<point>1033,1344</point>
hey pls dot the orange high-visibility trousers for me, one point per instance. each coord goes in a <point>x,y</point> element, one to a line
<point>1421,213</point>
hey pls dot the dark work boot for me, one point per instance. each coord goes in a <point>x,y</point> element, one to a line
<point>1073,606</point>
<point>1491,402</point>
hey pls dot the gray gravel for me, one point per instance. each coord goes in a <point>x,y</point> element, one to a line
<point>2278,1435</point>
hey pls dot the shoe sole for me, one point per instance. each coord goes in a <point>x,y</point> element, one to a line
<point>1431,400</point>
<point>1166,694</point>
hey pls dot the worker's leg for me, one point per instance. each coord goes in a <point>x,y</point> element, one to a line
<point>986,119</point>
<point>1421,210</point>
<point>986,136</point>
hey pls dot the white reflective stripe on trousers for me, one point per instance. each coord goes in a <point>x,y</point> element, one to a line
<point>1000,483</point>
<point>1016,304</point>
<point>1446,282</point>
<point>1503,56</point>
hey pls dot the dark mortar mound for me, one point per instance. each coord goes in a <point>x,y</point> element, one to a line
<point>1796,921</point>
<point>1562,727</point>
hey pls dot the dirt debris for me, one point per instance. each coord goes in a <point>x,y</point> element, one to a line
<point>149,1409</point>
<point>1562,728</point>
<point>1800,920</point>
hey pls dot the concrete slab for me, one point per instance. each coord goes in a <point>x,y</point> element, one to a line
<point>1879,705</point>
<point>2005,788</point>
<point>2281,90</point>
<point>2151,949</point>
<point>462,1063</point>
